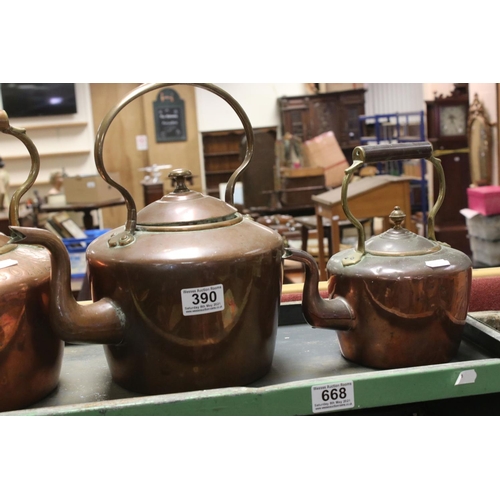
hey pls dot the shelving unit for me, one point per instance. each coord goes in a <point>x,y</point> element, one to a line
<point>222,155</point>
<point>48,154</point>
<point>48,125</point>
<point>392,128</point>
<point>30,128</point>
<point>62,145</point>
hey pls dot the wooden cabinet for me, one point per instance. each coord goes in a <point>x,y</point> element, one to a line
<point>308,116</point>
<point>222,156</point>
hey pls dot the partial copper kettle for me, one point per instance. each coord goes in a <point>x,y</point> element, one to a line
<point>408,295</point>
<point>186,294</point>
<point>30,351</point>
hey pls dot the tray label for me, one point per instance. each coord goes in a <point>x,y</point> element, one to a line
<point>332,397</point>
<point>466,377</point>
<point>202,300</point>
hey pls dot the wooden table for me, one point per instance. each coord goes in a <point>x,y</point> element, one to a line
<point>86,208</point>
<point>369,197</point>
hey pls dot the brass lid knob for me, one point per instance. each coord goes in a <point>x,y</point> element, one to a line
<point>179,176</point>
<point>185,207</point>
<point>397,217</point>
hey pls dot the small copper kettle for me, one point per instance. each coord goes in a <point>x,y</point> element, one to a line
<point>30,352</point>
<point>186,294</point>
<point>407,296</point>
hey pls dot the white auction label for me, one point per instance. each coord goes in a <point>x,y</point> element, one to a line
<point>332,397</point>
<point>437,263</point>
<point>202,300</point>
<point>8,263</point>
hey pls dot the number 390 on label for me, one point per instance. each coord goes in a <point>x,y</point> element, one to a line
<point>332,397</point>
<point>202,300</point>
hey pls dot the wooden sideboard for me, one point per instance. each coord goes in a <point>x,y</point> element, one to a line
<point>308,116</point>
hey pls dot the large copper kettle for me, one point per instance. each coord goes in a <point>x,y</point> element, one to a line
<point>30,352</point>
<point>407,295</point>
<point>186,294</point>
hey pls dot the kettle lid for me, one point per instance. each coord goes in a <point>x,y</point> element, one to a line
<point>399,241</point>
<point>185,207</point>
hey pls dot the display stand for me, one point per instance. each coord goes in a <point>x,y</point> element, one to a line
<point>307,362</point>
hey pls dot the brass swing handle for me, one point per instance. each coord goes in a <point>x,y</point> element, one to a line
<point>20,133</point>
<point>127,236</point>
<point>390,152</point>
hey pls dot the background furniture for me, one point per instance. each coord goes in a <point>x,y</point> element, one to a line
<point>393,128</point>
<point>299,185</point>
<point>222,153</point>
<point>309,223</point>
<point>152,192</point>
<point>308,116</point>
<point>259,178</point>
<point>369,197</point>
<point>24,216</point>
<point>86,208</point>
<point>452,149</point>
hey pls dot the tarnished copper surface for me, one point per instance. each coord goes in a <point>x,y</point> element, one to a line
<point>152,346</point>
<point>139,273</point>
<point>30,352</point>
<point>407,295</point>
<point>166,351</point>
<point>406,317</point>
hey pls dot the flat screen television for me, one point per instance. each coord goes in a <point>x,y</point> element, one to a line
<point>38,99</point>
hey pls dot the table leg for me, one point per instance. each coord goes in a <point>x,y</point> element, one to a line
<point>335,234</point>
<point>321,249</point>
<point>304,230</point>
<point>88,221</point>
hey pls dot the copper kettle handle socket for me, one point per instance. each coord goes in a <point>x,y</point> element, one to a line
<point>127,237</point>
<point>20,133</point>
<point>383,152</point>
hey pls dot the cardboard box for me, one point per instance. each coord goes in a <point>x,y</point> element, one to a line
<point>90,189</point>
<point>484,199</point>
<point>324,151</point>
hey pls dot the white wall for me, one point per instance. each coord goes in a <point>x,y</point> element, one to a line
<point>259,100</point>
<point>381,98</point>
<point>50,138</point>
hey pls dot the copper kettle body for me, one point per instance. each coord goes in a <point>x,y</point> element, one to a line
<point>30,351</point>
<point>185,294</point>
<point>408,295</point>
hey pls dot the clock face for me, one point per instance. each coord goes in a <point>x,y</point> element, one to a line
<point>452,120</point>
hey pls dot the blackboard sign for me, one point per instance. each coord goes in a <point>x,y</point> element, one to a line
<point>170,117</point>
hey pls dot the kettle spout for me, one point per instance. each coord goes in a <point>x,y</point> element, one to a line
<point>100,322</point>
<point>336,313</point>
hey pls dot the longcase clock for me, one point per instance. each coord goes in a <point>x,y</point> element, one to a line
<point>447,131</point>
